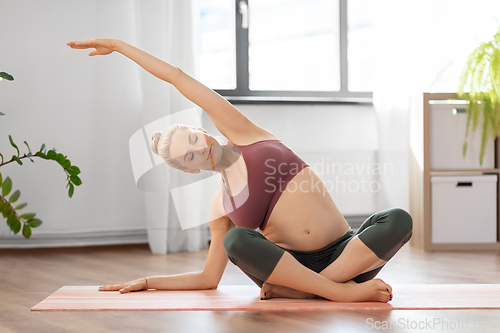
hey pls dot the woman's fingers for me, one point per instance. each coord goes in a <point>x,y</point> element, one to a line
<point>101,47</point>
<point>80,45</point>
<point>135,285</point>
<point>112,287</point>
<point>131,287</point>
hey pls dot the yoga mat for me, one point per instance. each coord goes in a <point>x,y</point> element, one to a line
<point>247,297</point>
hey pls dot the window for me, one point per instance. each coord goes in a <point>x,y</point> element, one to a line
<point>286,50</point>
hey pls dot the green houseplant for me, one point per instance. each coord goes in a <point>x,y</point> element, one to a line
<point>15,219</point>
<point>481,77</point>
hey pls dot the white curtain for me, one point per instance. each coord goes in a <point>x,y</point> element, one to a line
<point>165,29</point>
<point>420,46</point>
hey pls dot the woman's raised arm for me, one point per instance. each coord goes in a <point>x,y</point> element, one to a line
<point>229,121</point>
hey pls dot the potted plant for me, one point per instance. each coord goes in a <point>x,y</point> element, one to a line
<point>481,77</point>
<point>15,219</point>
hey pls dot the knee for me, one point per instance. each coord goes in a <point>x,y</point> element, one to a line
<point>403,223</point>
<point>236,240</point>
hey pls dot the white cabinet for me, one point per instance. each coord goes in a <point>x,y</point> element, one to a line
<point>453,201</point>
<point>464,209</point>
<point>447,132</point>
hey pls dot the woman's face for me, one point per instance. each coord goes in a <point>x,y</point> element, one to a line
<point>192,148</point>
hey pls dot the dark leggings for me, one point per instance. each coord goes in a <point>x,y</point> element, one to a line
<point>384,233</point>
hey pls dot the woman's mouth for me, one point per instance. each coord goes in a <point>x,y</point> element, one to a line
<point>209,152</point>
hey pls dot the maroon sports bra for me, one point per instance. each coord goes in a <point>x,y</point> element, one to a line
<point>270,166</point>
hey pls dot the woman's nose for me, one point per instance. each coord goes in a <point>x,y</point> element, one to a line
<point>202,151</point>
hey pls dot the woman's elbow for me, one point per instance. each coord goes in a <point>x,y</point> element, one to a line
<point>175,76</point>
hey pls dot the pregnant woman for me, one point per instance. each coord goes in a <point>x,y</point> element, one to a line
<point>272,216</point>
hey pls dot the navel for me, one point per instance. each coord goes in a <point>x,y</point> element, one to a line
<point>308,232</point>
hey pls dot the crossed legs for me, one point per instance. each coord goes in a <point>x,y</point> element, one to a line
<point>356,259</point>
<point>281,275</point>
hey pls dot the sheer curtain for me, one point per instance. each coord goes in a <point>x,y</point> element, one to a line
<point>420,46</point>
<point>165,28</point>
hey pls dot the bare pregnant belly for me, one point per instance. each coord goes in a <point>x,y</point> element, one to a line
<point>305,218</point>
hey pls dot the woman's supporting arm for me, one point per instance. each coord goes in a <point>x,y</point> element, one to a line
<point>229,121</point>
<point>216,259</point>
<point>214,267</point>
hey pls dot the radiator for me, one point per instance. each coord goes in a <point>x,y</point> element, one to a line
<point>351,178</point>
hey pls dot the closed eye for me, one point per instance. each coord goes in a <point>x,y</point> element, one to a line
<point>195,139</point>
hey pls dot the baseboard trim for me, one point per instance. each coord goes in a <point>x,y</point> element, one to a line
<point>75,239</point>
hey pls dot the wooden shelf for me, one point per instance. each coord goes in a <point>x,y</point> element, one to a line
<point>420,178</point>
<point>442,172</point>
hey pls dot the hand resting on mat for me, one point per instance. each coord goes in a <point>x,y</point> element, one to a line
<point>134,285</point>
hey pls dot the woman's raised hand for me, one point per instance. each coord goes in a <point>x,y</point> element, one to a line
<point>135,285</point>
<point>102,46</point>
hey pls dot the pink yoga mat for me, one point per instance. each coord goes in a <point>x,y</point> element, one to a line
<point>406,296</point>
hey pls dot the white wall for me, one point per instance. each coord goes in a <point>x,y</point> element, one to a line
<point>318,128</point>
<point>85,107</point>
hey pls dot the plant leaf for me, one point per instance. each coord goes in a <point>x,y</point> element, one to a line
<point>29,149</point>
<point>11,218</point>
<point>15,226</point>
<point>0,179</point>
<point>65,164</point>
<point>76,180</point>
<point>60,158</point>
<point>6,186</point>
<point>71,190</point>
<point>6,76</point>
<point>13,198</point>
<point>15,158</point>
<point>1,157</point>
<point>2,114</point>
<point>73,170</point>
<point>26,231</point>
<point>52,154</point>
<point>6,210</point>
<point>21,206</point>
<point>28,216</point>
<point>42,155</point>
<point>42,149</point>
<point>34,223</point>
<point>13,144</point>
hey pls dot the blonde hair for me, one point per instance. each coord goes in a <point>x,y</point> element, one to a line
<point>161,142</point>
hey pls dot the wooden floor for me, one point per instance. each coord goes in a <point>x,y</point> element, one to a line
<point>29,276</point>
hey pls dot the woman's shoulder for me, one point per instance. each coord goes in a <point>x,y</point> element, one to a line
<point>245,141</point>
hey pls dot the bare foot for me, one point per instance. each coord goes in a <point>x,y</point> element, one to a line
<point>374,290</point>
<point>269,291</point>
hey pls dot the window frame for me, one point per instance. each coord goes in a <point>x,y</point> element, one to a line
<point>243,95</point>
